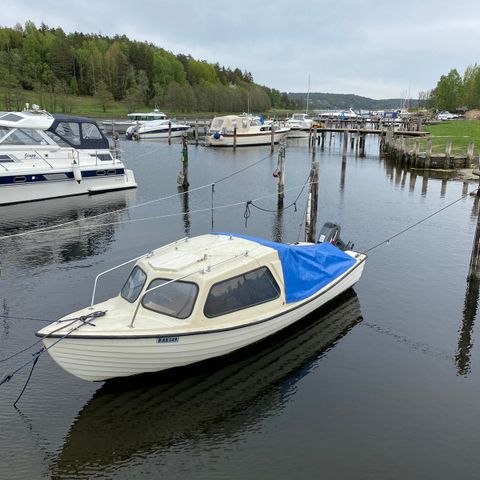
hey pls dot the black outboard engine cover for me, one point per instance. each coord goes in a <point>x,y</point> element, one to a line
<point>330,233</point>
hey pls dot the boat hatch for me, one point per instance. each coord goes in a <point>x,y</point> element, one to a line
<point>174,261</point>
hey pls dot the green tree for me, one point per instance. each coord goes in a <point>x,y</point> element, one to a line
<point>103,96</point>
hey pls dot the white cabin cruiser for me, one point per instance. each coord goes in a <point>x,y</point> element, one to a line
<point>300,125</point>
<point>197,299</point>
<point>250,131</point>
<point>48,156</point>
<point>156,129</point>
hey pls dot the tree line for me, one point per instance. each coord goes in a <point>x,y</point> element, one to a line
<point>56,66</point>
<point>454,91</point>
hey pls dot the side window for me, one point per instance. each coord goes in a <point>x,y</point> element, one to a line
<point>175,299</point>
<point>90,132</point>
<point>242,291</point>
<point>69,131</point>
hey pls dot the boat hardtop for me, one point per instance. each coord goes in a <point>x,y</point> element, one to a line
<point>296,272</point>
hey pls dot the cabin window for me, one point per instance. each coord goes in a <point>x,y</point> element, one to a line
<point>21,136</point>
<point>134,284</point>
<point>175,299</point>
<point>242,291</point>
<point>70,131</point>
<point>91,132</point>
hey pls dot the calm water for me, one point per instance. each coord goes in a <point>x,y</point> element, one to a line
<point>384,383</point>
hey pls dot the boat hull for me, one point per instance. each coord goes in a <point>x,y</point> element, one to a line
<point>163,134</point>
<point>33,190</point>
<point>244,140</point>
<point>101,358</point>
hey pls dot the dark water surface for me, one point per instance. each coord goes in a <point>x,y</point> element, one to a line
<point>383,383</point>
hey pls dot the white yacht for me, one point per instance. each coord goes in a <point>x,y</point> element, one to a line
<point>156,129</point>
<point>200,298</point>
<point>48,156</point>
<point>300,125</point>
<point>251,130</point>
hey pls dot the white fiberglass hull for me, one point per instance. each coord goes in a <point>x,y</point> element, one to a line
<point>247,139</point>
<point>298,133</point>
<point>58,185</point>
<point>176,133</point>
<point>98,358</point>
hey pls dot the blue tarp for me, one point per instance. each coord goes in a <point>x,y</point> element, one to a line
<point>306,269</point>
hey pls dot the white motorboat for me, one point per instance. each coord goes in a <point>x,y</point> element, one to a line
<point>156,129</point>
<point>250,130</point>
<point>299,124</point>
<point>48,156</point>
<point>197,299</point>
<point>133,119</point>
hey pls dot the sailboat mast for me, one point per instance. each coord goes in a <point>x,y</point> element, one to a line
<point>308,94</point>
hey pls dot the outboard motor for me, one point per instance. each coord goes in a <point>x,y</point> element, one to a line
<point>330,233</point>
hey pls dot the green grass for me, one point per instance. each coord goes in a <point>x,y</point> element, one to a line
<point>460,132</point>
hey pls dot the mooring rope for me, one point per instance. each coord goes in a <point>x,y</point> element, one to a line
<point>130,207</point>
<point>84,319</point>
<point>401,232</point>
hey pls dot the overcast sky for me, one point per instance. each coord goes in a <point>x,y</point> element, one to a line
<point>373,48</point>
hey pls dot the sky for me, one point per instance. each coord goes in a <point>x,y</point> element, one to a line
<point>374,48</point>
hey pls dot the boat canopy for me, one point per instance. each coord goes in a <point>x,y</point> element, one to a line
<point>79,132</point>
<point>306,268</point>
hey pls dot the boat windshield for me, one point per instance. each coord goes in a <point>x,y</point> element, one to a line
<point>20,136</point>
<point>175,299</point>
<point>217,124</point>
<point>134,284</point>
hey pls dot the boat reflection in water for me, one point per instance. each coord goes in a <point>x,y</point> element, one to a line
<point>134,418</point>
<point>77,240</point>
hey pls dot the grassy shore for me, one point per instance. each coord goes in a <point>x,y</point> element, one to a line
<point>460,132</point>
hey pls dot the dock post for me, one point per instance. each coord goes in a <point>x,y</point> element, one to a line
<point>310,137</point>
<point>323,140</point>
<point>272,139</point>
<point>345,143</point>
<point>185,162</point>
<point>169,133</point>
<point>416,152</point>
<point>234,138</point>
<point>362,143</point>
<point>428,154</point>
<point>448,154</point>
<point>352,141</point>
<point>470,154</point>
<point>196,133</point>
<point>314,140</point>
<point>281,172</point>
<point>312,206</point>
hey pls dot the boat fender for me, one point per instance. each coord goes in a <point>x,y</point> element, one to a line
<point>77,173</point>
<point>216,135</point>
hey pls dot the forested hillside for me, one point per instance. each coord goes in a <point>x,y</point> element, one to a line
<point>326,101</point>
<point>51,67</point>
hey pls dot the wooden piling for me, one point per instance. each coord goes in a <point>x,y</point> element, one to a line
<point>234,138</point>
<point>448,153</point>
<point>196,133</point>
<point>281,172</point>
<point>169,133</point>
<point>272,139</point>
<point>470,149</point>
<point>345,144</point>
<point>416,152</point>
<point>185,162</point>
<point>428,153</point>
<point>312,207</point>
<point>322,146</point>
<point>314,140</point>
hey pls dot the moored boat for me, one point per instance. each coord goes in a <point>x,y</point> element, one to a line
<point>197,299</point>
<point>299,124</point>
<point>156,129</point>
<point>250,131</point>
<point>47,156</point>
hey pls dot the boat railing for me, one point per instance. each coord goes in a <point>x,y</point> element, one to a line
<point>119,266</point>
